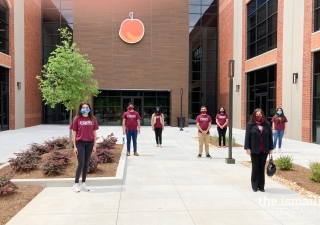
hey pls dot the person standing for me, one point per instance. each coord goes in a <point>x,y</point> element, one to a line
<point>157,123</point>
<point>131,127</point>
<point>279,128</point>
<point>204,123</point>
<point>258,144</point>
<point>84,138</point>
<point>222,123</point>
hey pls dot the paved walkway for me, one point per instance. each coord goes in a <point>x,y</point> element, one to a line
<point>169,186</point>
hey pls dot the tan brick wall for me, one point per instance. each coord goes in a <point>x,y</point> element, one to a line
<point>33,62</point>
<point>307,72</point>
<point>279,54</point>
<point>11,74</point>
<point>225,51</point>
<point>159,61</point>
<point>260,61</point>
<point>5,60</point>
<point>315,41</point>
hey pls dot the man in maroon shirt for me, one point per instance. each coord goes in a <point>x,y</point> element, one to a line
<point>131,127</point>
<point>204,124</point>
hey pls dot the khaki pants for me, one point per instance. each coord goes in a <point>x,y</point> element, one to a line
<point>203,138</point>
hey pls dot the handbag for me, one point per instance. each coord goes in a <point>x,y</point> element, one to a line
<point>271,168</point>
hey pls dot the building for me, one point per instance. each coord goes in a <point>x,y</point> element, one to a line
<point>183,54</point>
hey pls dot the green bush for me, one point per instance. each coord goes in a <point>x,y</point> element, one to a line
<point>25,161</point>
<point>6,186</point>
<point>284,162</point>
<point>315,168</point>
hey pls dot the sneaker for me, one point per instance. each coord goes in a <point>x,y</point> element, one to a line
<point>157,146</point>
<point>280,151</point>
<point>76,188</point>
<point>199,156</point>
<point>209,156</point>
<point>136,154</point>
<point>160,146</point>
<point>84,187</point>
<point>128,153</point>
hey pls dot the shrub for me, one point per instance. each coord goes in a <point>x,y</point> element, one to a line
<point>93,163</point>
<point>108,142</point>
<point>53,167</point>
<point>6,186</point>
<point>58,143</point>
<point>105,155</point>
<point>315,168</point>
<point>39,148</point>
<point>284,162</point>
<point>25,161</point>
<point>59,156</point>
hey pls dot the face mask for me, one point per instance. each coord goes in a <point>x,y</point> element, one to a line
<point>85,111</point>
<point>157,111</point>
<point>131,107</point>
<point>258,118</point>
<point>203,112</point>
<point>279,112</point>
<point>222,112</point>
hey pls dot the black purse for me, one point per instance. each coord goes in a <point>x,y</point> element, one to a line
<point>271,168</point>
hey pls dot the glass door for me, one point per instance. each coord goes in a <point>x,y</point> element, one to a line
<point>261,102</point>
<point>4,108</point>
<point>138,105</point>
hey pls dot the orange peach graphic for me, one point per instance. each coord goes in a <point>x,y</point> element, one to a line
<point>131,30</point>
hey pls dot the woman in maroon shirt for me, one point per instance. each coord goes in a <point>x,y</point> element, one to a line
<point>279,128</point>
<point>222,123</point>
<point>84,137</point>
<point>157,123</point>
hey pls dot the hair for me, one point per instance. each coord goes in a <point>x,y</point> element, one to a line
<point>279,118</point>
<point>253,116</point>
<point>79,114</point>
<point>130,103</point>
<point>203,107</point>
<point>223,110</point>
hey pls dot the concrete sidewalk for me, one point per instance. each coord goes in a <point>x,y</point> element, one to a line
<point>170,185</point>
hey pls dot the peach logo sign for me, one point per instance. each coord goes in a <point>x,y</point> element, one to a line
<point>131,30</point>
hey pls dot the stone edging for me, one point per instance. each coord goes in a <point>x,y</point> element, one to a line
<point>68,182</point>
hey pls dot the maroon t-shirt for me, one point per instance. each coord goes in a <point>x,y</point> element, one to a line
<point>131,120</point>
<point>158,123</point>
<point>84,128</point>
<point>204,122</point>
<point>222,118</point>
<point>280,125</point>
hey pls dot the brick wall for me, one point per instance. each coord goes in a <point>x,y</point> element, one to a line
<point>225,50</point>
<point>33,62</point>
<point>307,72</point>
<point>159,61</point>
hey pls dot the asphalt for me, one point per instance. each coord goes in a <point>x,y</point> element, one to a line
<point>169,185</point>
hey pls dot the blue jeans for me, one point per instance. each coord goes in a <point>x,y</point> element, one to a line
<point>277,135</point>
<point>133,134</point>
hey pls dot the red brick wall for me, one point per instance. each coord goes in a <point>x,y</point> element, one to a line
<point>12,76</point>
<point>159,61</point>
<point>307,72</point>
<point>33,62</point>
<point>225,50</point>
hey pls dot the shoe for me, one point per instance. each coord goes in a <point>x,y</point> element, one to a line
<point>262,190</point>
<point>224,146</point>
<point>157,146</point>
<point>219,146</point>
<point>136,154</point>
<point>280,151</point>
<point>199,156</point>
<point>76,188</point>
<point>84,187</point>
<point>128,153</point>
<point>160,146</point>
<point>209,156</point>
<point>254,190</point>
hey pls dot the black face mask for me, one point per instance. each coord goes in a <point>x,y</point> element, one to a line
<point>221,111</point>
<point>157,111</point>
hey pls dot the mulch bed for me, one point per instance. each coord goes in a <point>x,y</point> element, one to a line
<point>12,203</point>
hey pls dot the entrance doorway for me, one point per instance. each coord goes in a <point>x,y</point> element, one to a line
<point>261,102</point>
<point>4,99</point>
<point>138,106</point>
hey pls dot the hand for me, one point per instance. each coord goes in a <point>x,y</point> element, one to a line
<point>138,131</point>
<point>124,132</point>
<point>162,127</point>
<point>285,131</point>
<point>248,151</point>
<point>204,132</point>
<point>273,131</point>
<point>271,152</point>
<point>94,149</point>
<point>75,151</point>
<point>152,128</point>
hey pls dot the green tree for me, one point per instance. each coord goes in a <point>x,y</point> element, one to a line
<point>66,78</point>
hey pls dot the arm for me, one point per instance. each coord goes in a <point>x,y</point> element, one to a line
<point>247,146</point>
<point>138,121</point>
<point>225,123</point>
<point>75,150</point>
<point>218,123</point>
<point>209,126</point>
<point>199,127</point>
<point>152,124</point>
<point>95,141</point>
<point>123,125</point>
<point>284,125</point>
<point>270,139</point>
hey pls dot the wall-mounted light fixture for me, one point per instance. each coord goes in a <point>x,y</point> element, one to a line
<point>237,88</point>
<point>294,78</point>
<point>19,85</point>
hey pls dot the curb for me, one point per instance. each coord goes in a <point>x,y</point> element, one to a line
<point>68,182</point>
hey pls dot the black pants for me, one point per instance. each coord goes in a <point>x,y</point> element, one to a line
<point>84,154</point>
<point>258,173</point>
<point>222,133</point>
<point>158,132</point>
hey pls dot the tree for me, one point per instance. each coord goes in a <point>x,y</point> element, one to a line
<point>66,78</point>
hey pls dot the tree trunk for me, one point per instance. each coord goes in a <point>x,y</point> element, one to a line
<point>70,130</point>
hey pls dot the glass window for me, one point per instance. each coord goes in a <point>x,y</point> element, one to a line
<point>316,15</point>
<point>114,101</point>
<point>51,4</point>
<point>317,85</point>
<point>316,98</point>
<point>4,12</point>
<point>67,4</point>
<point>262,16</point>
<point>66,16</point>
<point>194,9</point>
